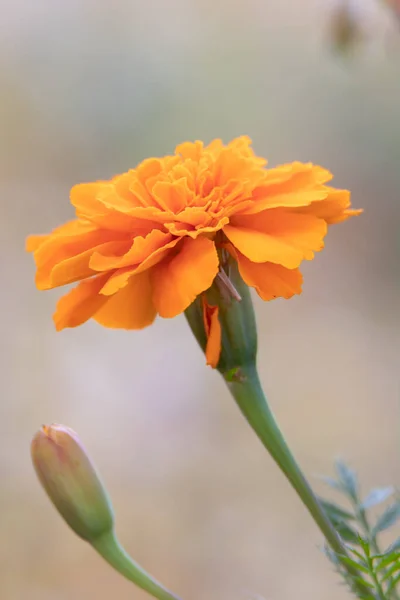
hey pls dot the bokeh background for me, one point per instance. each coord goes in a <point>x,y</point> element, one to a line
<point>88,89</point>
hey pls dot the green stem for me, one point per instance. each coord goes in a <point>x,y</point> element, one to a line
<point>111,550</point>
<point>379,590</point>
<point>244,384</point>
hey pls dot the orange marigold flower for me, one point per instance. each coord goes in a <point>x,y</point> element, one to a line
<point>149,241</point>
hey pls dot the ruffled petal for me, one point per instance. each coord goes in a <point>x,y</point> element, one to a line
<point>118,280</point>
<point>173,195</point>
<point>77,267</point>
<point>191,150</point>
<point>84,197</point>
<point>179,280</point>
<point>290,186</point>
<point>129,308</point>
<point>34,241</point>
<point>141,249</point>
<point>80,304</point>
<point>334,209</point>
<point>72,244</point>
<point>212,327</point>
<point>277,236</point>
<point>100,204</point>
<point>270,280</point>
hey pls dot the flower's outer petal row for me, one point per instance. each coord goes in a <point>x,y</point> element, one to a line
<point>131,307</point>
<point>101,205</point>
<point>33,242</point>
<point>139,251</point>
<point>346,214</point>
<point>297,199</point>
<point>213,331</point>
<point>335,208</point>
<point>83,197</point>
<point>291,185</point>
<point>178,280</point>
<point>292,176</point>
<point>63,256</point>
<point>270,280</point>
<point>78,267</point>
<point>81,303</point>
<point>277,236</point>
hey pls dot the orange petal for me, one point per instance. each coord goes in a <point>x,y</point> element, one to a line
<point>212,327</point>
<point>77,267</point>
<point>292,185</point>
<point>295,176</point>
<point>192,150</point>
<point>102,204</point>
<point>334,209</point>
<point>80,303</point>
<point>84,197</point>
<point>290,200</point>
<point>118,280</point>
<point>34,241</point>
<point>69,241</point>
<point>123,196</point>
<point>232,164</point>
<point>270,280</point>
<point>173,195</point>
<point>131,307</point>
<point>277,236</point>
<point>141,248</point>
<point>182,229</point>
<point>346,214</point>
<point>179,280</point>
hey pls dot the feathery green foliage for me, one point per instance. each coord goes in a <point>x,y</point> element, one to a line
<point>380,569</point>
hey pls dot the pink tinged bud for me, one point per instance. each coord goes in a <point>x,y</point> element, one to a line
<point>71,481</point>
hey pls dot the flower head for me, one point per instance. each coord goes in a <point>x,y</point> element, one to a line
<point>149,241</point>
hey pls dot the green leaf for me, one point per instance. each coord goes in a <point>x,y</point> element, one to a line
<point>353,563</point>
<point>388,560</point>
<point>365,546</point>
<point>363,582</point>
<point>387,518</point>
<point>376,496</point>
<point>393,584</point>
<point>347,478</point>
<point>356,553</point>
<point>334,511</point>
<point>390,572</point>
<point>347,533</point>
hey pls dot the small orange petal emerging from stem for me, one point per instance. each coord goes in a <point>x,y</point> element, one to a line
<point>212,328</point>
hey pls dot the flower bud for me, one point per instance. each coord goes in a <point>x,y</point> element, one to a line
<point>229,299</point>
<point>71,482</point>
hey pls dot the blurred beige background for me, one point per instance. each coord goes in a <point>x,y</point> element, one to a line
<point>88,89</point>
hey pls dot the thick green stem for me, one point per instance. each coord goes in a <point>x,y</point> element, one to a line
<point>110,549</point>
<point>245,387</point>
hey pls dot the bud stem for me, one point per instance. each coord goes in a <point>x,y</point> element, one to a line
<point>111,550</point>
<point>246,388</point>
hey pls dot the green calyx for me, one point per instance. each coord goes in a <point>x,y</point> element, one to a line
<point>236,315</point>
